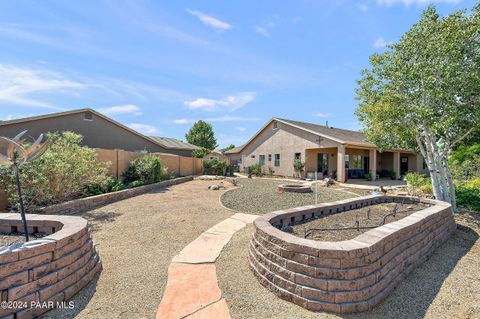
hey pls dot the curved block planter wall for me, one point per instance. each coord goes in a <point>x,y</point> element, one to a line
<point>53,268</point>
<point>346,276</point>
<point>90,202</point>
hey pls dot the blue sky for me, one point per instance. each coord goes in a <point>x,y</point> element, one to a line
<point>159,66</point>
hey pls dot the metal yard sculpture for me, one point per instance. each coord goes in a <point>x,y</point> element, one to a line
<point>17,155</point>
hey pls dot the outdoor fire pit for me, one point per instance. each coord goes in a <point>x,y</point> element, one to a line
<point>348,275</point>
<point>294,188</point>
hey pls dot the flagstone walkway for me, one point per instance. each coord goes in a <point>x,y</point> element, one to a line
<point>192,290</point>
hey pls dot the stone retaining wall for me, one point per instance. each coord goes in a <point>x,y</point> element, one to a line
<point>51,269</point>
<point>87,203</point>
<point>346,276</point>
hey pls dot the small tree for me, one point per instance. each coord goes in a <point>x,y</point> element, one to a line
<point>17,155</point>
<point>423,92</point>
<point>229,147</point>
<point>201,134</point>
<point>298,166</point>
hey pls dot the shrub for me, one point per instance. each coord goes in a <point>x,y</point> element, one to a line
<point>468,196</point>
<point>62,173</point>
<point>214,166</point>
<point>298,166</point>
<point>256,169</point>
<point>418,183</point>
<point>144,170</point>
<point>109,185</point>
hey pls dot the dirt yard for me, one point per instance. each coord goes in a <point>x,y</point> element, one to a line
<point>137,238</point>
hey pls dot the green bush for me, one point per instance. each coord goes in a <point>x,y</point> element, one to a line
<point>256,169</point>
<point>468,196</point>
<point>298,166</point>
<point>64,172</point>
<point>418,183</point>
<point>110,184</point>
<point>214,166</point>
<point>144,170</point>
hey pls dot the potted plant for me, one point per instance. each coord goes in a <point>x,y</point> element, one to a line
<point>393,175</point>
<point>368,176</point>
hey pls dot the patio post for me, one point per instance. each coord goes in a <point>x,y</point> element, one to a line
<point>341,163</point>
<point>373,163</point>
<point>396,164</point>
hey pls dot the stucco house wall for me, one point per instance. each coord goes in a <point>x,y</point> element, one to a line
<point>284,140</point>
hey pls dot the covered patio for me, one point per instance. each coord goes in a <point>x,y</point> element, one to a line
<point>348,162</point>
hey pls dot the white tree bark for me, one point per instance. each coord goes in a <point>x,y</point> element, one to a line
<point>437,162</point>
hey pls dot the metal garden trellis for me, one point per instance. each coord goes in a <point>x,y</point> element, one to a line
<point>17,155</point>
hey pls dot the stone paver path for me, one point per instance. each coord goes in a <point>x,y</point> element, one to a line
<point>192,290</point>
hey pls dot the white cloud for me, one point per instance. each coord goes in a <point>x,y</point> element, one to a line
<point>17,84</point>
<point>9,117</point>
<point>228,118</point>
<point>380,43</point>
<point>262,31</point>
<point>408,3</point>
<point>229,103</point>
<point>121,109</point>
<point>223,118</point>
<point>144,128</point>
<point>240,128</point>
<point>210,21</point>
<point>181,121</point>
<point>323,115</point>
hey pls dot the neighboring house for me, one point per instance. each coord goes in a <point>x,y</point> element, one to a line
<point>98,131</point>
<point>216,154</point>
<point>235,157</point>
<point>329,151</point>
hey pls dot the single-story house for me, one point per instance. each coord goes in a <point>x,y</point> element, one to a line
<point>98,130</point>
<point>235,157</point>
<point>216,154</point>
<point>327,151</point>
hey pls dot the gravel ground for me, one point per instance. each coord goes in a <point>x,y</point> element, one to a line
<point>259,196</point>
<point>137,238</point>
<point>446,286</point>
<point>348,218</point>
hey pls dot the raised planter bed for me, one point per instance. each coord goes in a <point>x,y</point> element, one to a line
<point>45,271</point>
<point>351,275</point>
<point>294,188</point>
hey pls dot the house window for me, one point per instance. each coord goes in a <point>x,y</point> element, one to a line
<point>356,162</point>
<point>277,160</point>
<point>275,125</point>
<point>269,157</point>
<point>298,156</point>
<point>261,160</point>
<point>88,116</point>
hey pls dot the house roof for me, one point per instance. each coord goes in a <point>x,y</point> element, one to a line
<point>60,114</point>
<point>234,150</point>
<point>338,135</point>
<point>171,142</point>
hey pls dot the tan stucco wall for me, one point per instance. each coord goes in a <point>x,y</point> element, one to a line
<point>286,141</point>
<point>176,165</point>
<point>98,133</point>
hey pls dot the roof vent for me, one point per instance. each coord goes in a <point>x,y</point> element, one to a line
<point>88,116</point>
